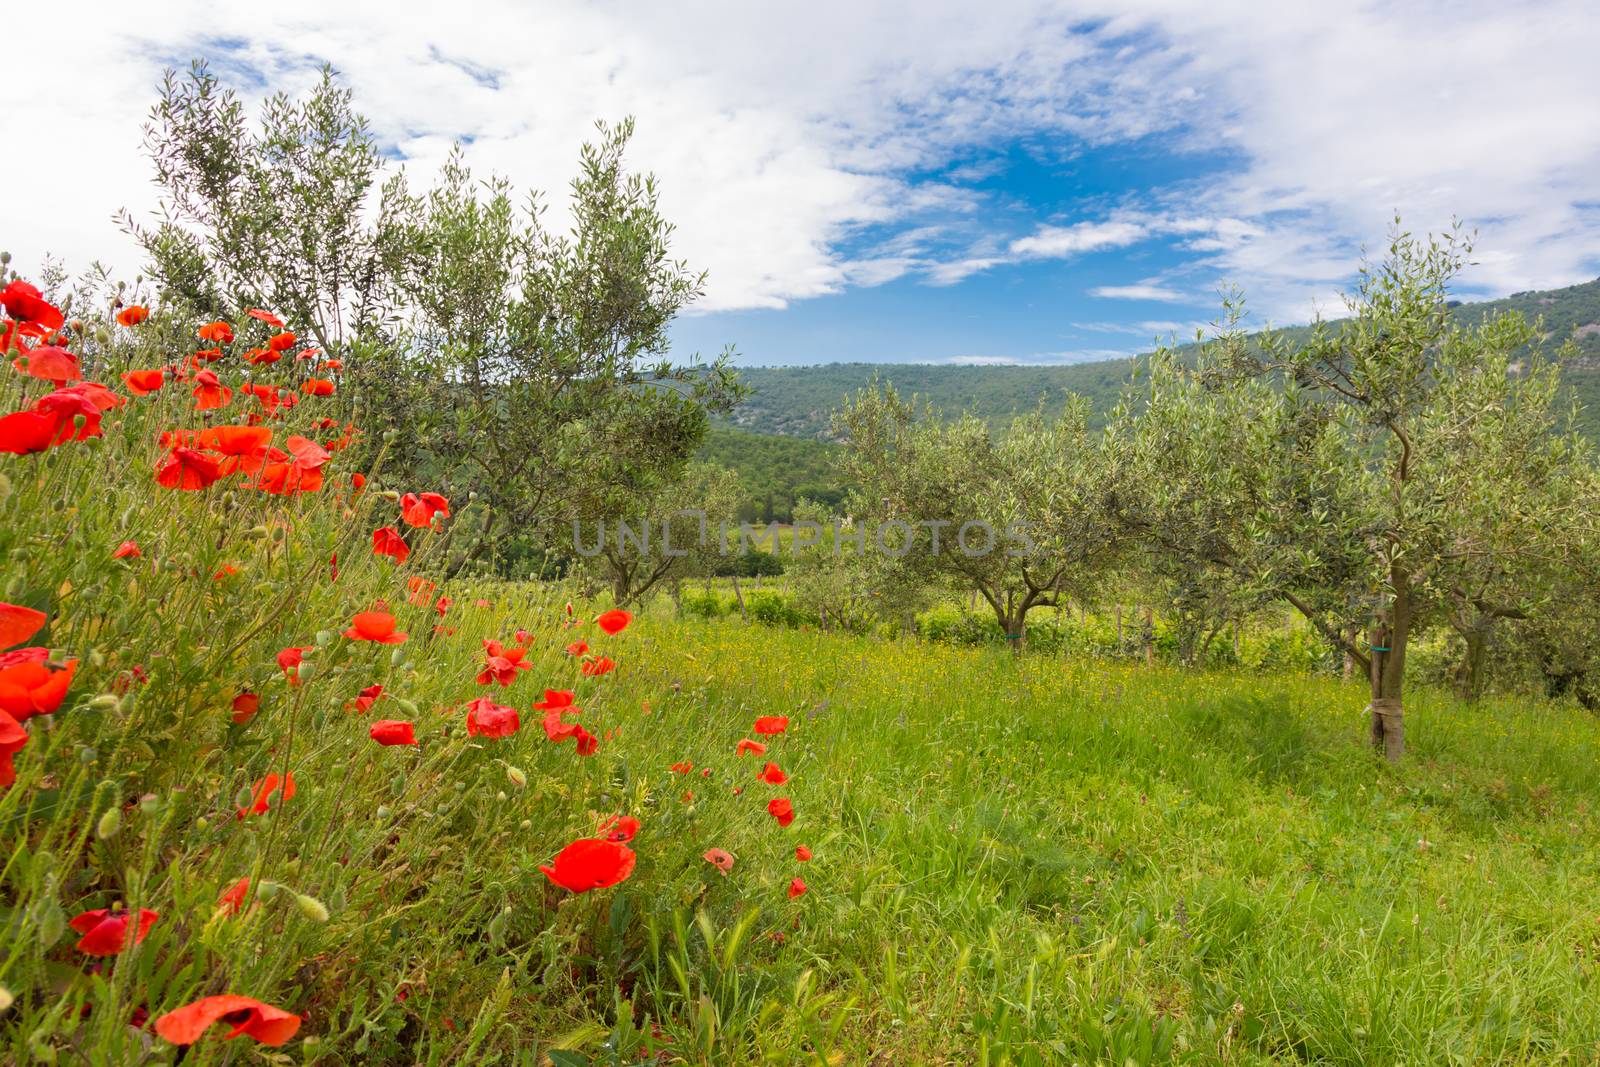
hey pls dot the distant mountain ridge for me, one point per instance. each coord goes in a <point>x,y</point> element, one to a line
<point>799,401</point>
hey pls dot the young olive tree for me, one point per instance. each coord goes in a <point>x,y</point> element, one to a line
<point>1026,518</point>
<point>1384,471</point>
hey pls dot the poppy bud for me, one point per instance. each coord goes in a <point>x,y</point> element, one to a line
<point>97,658</point>
<point>103,702</point>
<point>306,671</point>
<point>397,657</point>
<point>383,811</point>
<point>88,754</point>
<point>408,707</point>
<point>110,822</point>
<point>5,259</point>
<point>242,798</point>
<point>14,586</point>
<point>6,999</point>
<point>390,495</point>
<point>267,890</point>
<point>525,824</point>
<point>150,803</point>
<point>278,533</point>
<point>201,823</point>
<point>389,437</point>
<point>324,638</point>
<point>256,533</point>
<point>518,778</point>
<point>311,908</point>
<point>501,797</point>
<point>102,335</point>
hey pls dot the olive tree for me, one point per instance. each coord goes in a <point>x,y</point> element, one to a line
<point>1025,517</point>
<point>1377,474</point>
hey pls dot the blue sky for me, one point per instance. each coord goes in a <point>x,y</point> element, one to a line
<point>1036,182</point>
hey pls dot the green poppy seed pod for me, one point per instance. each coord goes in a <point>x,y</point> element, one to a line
<point>390,495</point>
<point>242,798</point>
<point>104,702</point>
<point>518,778</point>
<point>150,803</point>
<point>324,638</point>
<point>397,657</point>
<point>384,812</point>
<point>18,553</point>
<point>102,335</point>
<point>228,502</point>
<point>307,671</point>
<point>79,422</point>
<point>267,890</point>
<point>390,437</point>
<point>279,533</point>
<point>408,707</point>
<point>110,822</point>
<point>291,866</point>
<point>88,754</point>
<point>257,533</point>
<point>202,823</point>
<point>501,796</point>
<point>460,786</point>
<point>471,496</point>
<point>525,824</point>
<point>97,658</point>
<point>5,259</point>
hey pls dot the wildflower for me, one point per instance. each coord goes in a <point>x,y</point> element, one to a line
<point>50,362</point>
<point>622,828</point>
<point>577,648</point>
<point>781,809</point>
<point>218,332</point>
<point>263,315</point>
<point>132,315</point>
<point>289,662</point>
<point>144,382</point>
<point>386,541</point>
<point>317,387</point>
<point>105,931</point>
<point>587,744</point>
<point>245,447</point>
<point>614,621</point>
<point>501,664</point>
<point>420,510</point>
<point>245,706</point>
<point>556,698</point>
<point>593,668</point>
<point>802,853</point>
<point>26,304</point>
<point>30,685</point>
<point>392,732</point>
<point>747,745</point>
<point>209,392</point>
<point>24,433</point>
<point>682,767</point>
<point>261,799</point>
<point>772,724</point>
<point>13,738</point>
<point>796,888</point>
<point>232,898</point>
<point>281,342</point>
<point>721,859</point>
<point>268,1025</point>
<point>127,550</point>
<point>262,357</point>
<point>366,698</point>
<point>590,863</point>
<point>18,623</point>
<point>375,626</point>
<point>188,469</point>
<point>485,718</point>
<point>772,774</point>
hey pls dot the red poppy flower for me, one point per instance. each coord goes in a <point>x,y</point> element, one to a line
<point>796,888</point>
<point>386,541</point>
<point>75,414</point>
<point>772,724</point>
<point>12,740</point>
<point>392,732</point>
<point>209,392</point>
<point>621,827</point>
<point>205,355</point>
<point>772,774</point>
<point>590,863</point>
<point>721,859</point>
<point>268,1025</point>
<point>26,304</point>
<point>593,668</point>
<point>747,745</point>
<point>187,468</point>
<point>261,357</point>
<point>501,663</point>
<point>556,698</point>
<point>316,387</point>
<point>802,853</point>
<point>31,685</point>
<point>263,315</point>
<point>219,332</point>
<point>420,510</point>
<point>366,698</point>
<point>232,898</point>
<point>144,382</point>
<point>485,718</point>
<point>132,315</point>
<point>588,744</point>
<point>375,626</point>
<point>614,621</point>
<point>310,353</point>
<point>24,433</point>
<point>245,706</point>
<point>50,362</point>
<point>281,342</point>
<point>105,932</point>
<point>289,662</point>
<point>245,447</point>
<point>577,648</point>
<point>682,767</point>
<point>18,623</point>
<point>358,482</point>
<point>261,800</point>
<point>781,809</point>
<point>442,605</point>
<point>555,729</point>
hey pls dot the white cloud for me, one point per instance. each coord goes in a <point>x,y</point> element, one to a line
<point>1142,291</point>
<point>791,141</point>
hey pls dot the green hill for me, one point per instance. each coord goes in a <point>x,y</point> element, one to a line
<point>799,401</point>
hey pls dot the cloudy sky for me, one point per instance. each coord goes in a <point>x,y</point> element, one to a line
<point>937,181</point>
